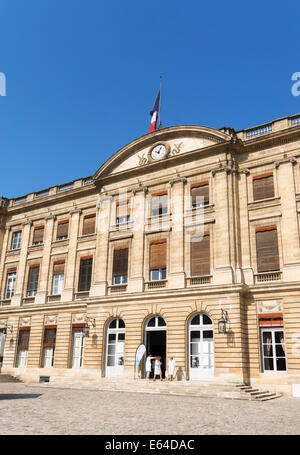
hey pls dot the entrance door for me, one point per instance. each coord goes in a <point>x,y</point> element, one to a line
<point>156,340</point>
<point>273,349</point>
<point>115,343</point>
<point>78,342</point>
<point>201,347</point>
<point>2,345</point>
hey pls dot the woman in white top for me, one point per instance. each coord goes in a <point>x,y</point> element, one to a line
<point>148,365</point>
<point>157,368</point>
<point>171,368</point>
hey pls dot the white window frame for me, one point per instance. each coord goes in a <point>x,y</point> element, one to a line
<point>273,330</point>
<point>16,240</point>
<point>10,285</point>
<point>161,271</point>
<point>58,283</point>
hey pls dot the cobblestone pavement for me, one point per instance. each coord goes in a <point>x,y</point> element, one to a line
<point>27,410</point>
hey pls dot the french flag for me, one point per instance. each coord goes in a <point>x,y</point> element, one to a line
<point>154,113</point>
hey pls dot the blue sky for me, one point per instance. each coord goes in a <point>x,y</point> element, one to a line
<point>82,76</point>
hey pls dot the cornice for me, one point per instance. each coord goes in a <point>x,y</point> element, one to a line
<point>286,159</point>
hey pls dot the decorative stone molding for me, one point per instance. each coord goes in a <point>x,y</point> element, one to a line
<point>176,149</point>
<point>286,159</point>
<point>223,168</point>
<point>269,306</point>
<point>178,179</point>
<point>3,323</point>
<point>50,217</point>
<point>76,210</point>
<point>24,322</point>
<point>140,188</point>
<point>78,318</point>
<point>4,202</point>
<point>50,319</point>
<point>27,221</point>
<point>244,171</point>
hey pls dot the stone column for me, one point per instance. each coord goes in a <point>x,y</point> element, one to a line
<point>35,341</point>
<point>289,219</point>
<point>68,292</point>
<point>99,286</point>
<point>17,298</point>
<point>41,296</point>
<point>136,273</point>
<point>223,272</point>
<point>247,270</point>
<point>176,275</point>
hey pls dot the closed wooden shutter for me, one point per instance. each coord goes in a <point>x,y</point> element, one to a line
<point>58,267</point>
<point>85,274</point>
<point>200,255</point>
<point>38,234</point>
<point>200,190</point>
<point>23,340</point>
<point>89,224</point>
<point>158,254</point>
<point>33,278</point>
<point>120,261</point>
<point>49,337</point>
<point>263,186</point>
<point>267,249</point>
<point>62,229</point>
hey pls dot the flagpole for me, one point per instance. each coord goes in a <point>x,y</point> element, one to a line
<point>160,124</point>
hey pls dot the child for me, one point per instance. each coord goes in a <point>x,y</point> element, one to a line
<point>157,368</point>
<point>148,365</point>
<point>172,364</point>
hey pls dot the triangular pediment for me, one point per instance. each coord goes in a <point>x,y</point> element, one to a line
<point>179,140</point>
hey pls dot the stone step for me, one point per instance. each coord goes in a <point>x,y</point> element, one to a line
<point>265,395</point>
<point>8,378</point>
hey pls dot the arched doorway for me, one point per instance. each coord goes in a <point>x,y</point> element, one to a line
<point>156,339</point>
<point>201,347</point>
<point>115,344</point>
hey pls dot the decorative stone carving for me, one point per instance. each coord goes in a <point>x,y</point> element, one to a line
<point>142,160</point>
<point>286,159</point>
<point>24,322</point>
<point>269,306</point>
<point>78,318</point>
<point>176,149</point>
<point>51,319</point>
<point>3,323</point>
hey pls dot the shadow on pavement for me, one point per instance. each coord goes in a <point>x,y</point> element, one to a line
<point>16,396</point>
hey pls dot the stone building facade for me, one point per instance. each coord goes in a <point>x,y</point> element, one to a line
<point>176,229</point>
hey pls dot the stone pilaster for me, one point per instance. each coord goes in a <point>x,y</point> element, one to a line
<point>68,292</point>
<point>247,270</point>
<point>136,273</point>
<point>2,259</point>
<point>99,286</point>
<point>21,271</point>
<point>41,296</point>
<point>289,221</point>
<point>176,274</point>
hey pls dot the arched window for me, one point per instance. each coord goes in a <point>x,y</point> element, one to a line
<point>201,347</point>
<point>115,348</point>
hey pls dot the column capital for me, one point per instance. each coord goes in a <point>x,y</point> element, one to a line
<point>285,159</point>
<point>224,168</point>
<point>140,188</point>
<point>74,211</point>
<point>27,221</point>
<point>178,179</point>
<point>50,217</point>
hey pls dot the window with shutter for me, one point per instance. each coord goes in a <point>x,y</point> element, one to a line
<point>33,279</point>
<point>62,230</point>
<point>263,186</point>
<point>159,203</point>
<point>158,259</point>
<point>48,347</point>
<point>85,274</point>
<point>200,255</point>
<point>89,224</point>
<point>122,212</point>
<point>38,235</point>
<point>120,265</point>
<point>267,249</point>
<point>23,339</point>
<point>200,194</point>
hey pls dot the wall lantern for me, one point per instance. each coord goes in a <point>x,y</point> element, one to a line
<point>86,328</point>
<point>10,327</point>
<point>222,321</point>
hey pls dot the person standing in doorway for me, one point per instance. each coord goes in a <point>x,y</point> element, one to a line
<point>172,364</point>
<point>157,368</point>
<point>148,365</point>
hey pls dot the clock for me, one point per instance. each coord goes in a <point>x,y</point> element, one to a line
<point>159,151</point>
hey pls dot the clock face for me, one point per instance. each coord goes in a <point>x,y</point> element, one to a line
<point>158,152</point>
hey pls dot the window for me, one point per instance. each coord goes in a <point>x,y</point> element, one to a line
<point>16,240</point>
<point>38,235</point>
<point>58,277</point>
<point>263,186</point>
<point>200,194</point>
<point>273,349</point>
<point>120,265</point>
<point>10,284</point>
<point>158,260</point>
<point>23,342</point>
<point>49,347</point>
<point>200,255</point>
<point>123,212</point>
<point>42,193</point>
<point>85,274</point>
<point>267,249</point>
<point>159,203</point>
<point>89,224</point>
<point>66,186</point>
<point>33,279</point>
<point>78,345</point>
<point>62,230</point>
